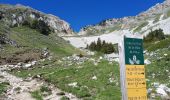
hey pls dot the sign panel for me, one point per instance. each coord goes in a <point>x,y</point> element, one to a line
<point>137,94</point>
<point>133,80</point>
<point>133,51</point>
<point>135,76</point>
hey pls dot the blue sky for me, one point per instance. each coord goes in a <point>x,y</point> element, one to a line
<point>80,13</point>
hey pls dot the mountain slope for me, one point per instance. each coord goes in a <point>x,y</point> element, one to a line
<point>111,30</point>
<point>27,34</point>
<point>154,18</point>
<point>17,15</point>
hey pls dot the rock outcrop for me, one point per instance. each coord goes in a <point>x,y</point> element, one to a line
<point>17,15</point>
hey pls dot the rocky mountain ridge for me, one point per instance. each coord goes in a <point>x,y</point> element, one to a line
<point>17,15</point>
<point>157,13</point>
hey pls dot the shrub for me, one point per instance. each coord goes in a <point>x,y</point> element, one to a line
<point>156,35</point>
<point>39,25</point>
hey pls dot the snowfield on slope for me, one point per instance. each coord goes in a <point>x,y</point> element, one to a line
<point>114,37</point>
<point>81,42</point>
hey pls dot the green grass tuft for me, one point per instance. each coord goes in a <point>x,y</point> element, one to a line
<point>141,26</point>
<point>37,95</point>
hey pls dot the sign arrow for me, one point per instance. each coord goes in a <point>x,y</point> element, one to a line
<point>143,83</point>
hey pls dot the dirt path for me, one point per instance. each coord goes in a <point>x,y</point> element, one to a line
<point>20,89</point>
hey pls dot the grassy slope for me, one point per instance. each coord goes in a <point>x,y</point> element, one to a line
<point>100,89</point>
<point>33,39</point>
<point>158,45</point>
<point>160,67</point>
<point>160,64</point>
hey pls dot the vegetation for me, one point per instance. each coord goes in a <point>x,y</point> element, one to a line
<point>156,40</point>
<point>101,46</point>
<point>64,98</point>
<point>157,18</point>
<point>101,88</point>
<point>2,38</point>
<point>159,67</point>
<point>29,43</point>
<point>86,88</point>
<point>45,89</point>
<point>159,45</point>
<point>168,14</point>
<point>155,35</point>
<point>3,87</point>
<point>38,25</point>
<point>31,38</point>
<point>37,95</point>
<point>141,26</point>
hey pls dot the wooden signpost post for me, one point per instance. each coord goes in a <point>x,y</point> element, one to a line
<point>132,69</point>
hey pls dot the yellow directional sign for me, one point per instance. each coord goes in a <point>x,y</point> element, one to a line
<point>137,94</point>
<point>135,82</point>
<point>135,71</point>
<point>135,76</point>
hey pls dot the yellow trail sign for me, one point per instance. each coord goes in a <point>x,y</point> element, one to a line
<point>137,94</point>
<point>135,76</point>
<point>135,82</point>
<point>132,69</point>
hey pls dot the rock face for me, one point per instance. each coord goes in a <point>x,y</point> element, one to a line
<point>21,15</point>
<point>150,19</point>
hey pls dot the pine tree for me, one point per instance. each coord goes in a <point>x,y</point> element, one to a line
<point>99,45</point>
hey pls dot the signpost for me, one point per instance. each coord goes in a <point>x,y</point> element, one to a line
<point>132,69</point>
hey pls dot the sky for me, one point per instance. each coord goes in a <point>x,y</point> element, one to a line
<point>79,13</point>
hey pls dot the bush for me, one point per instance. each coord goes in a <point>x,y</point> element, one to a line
<point>40,25</point>
<point>2,38</point>
<point>156,35</point>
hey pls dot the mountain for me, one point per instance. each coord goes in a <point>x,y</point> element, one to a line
<point>25,34</point>
<point>37,63</point>
<point>111,30</point>
<point>17,15</point>
<point>154,18</point>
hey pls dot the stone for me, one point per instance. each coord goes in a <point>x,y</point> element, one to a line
<point>74,84</point>
<point>147,62</point>
<point>26,66</point>
<point>94,78</point>
<point>33,63</point>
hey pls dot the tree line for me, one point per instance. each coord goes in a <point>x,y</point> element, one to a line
<point>101,46</point>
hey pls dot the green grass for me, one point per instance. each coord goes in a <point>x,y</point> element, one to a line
<point>3,87</point>
<point>159,45</point>
<point>93,31</point>
<point>100,89</point>
<point>168,13</point>
<point>64,98</point>
<point>111,29</point>
<point>27,37</point>
<point>37,95</point>
<point>87,88</point>
<point>157,18</point>
<point>45,89</point>
<point>159,66</point>
<point>30,40</point>
<point>141,26</point>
